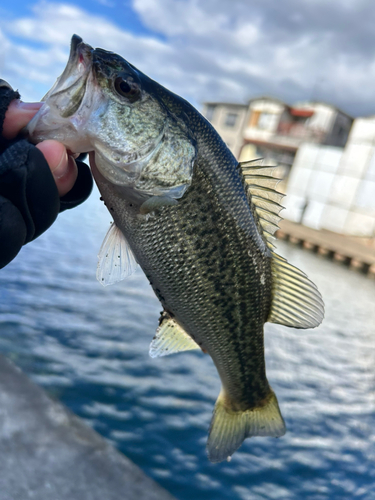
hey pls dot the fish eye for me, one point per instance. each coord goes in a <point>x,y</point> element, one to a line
<point>128,88</point>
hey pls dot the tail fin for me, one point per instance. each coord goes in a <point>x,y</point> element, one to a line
<point>230,428</point>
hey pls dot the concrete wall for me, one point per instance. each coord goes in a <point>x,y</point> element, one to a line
<point>47,453</point>
<point>331,188</point>
<point>310,183</point>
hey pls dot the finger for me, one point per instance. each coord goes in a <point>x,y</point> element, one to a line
<point>63,166</point>
<point>18,116</point>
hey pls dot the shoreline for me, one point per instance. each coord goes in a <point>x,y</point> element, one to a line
<point>347,250</point>
<point>47,452</point>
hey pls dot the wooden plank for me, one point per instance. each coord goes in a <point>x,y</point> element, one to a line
<point>329,242</point>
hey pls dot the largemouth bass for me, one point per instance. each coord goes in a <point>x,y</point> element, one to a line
<point>198,223</point>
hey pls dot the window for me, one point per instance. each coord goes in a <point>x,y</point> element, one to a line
<point>341,132</point>
<point>210,110</point>
<point>268,121</point>
<point>231,119</point>
<point>264,121</point>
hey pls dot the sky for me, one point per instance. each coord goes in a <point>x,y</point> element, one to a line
<point>205,50</point>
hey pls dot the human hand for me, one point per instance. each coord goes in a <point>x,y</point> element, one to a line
<point>62,165</point>
<point>36,182</point>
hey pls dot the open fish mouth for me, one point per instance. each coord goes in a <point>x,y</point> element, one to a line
<point>72,85</point>
<point>64,99</point>
<point>74,76</point>
<point>99,103</point>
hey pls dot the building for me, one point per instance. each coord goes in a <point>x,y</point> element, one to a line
<point>229,120</point>
<point>268,128</point>
<point>333,188</point>
<point>278,130</point>
<point>327,161</point>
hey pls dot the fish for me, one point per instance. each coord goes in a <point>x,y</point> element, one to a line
<point>199,223</point>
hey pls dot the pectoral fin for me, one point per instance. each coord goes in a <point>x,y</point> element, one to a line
<point>116,261</point>
<point>170,338</point>
<point>156,202</point>
<point>296,301</point>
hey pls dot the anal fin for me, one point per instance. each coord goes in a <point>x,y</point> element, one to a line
<point>170,338</point>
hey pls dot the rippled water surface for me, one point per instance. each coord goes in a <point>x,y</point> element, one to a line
<point>88,346</point>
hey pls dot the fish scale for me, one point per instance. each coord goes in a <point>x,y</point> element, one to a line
<point>225,292</point>
<point>199,224</point>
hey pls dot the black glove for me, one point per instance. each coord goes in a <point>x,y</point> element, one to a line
<point>29,200</point>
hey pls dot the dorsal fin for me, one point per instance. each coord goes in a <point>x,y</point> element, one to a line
<point>296,301</point>
<point>260,186</point>
<point>170,338</point>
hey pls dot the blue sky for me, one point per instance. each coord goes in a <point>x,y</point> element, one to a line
<point>212,50</point>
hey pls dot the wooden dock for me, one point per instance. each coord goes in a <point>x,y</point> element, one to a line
<point>354,252</point>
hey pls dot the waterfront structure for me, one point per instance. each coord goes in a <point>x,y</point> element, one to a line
<point>229,120</point>
<point>278,130</point>
<point>333,188</point>
<point>271,129</point>
<point>326,161</point>
<point>49,453</point>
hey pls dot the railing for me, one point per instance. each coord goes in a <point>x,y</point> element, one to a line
<point>300,131</point>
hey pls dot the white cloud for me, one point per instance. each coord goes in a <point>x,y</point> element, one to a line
<point>212,50</point>
<point>52,25</point>
<point>178,18</point>
<point>263,44</point>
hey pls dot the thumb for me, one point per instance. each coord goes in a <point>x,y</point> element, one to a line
<point>63,166</point>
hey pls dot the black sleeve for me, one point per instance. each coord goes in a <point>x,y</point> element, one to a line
<point>29,200</point>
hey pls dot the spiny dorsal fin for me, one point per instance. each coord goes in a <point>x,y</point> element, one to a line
<point>116,261</point>
<point>170,338</point>
<point>296,301</point>
<point>260,186</point>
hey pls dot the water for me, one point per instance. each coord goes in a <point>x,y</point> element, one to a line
<point>88,346</point>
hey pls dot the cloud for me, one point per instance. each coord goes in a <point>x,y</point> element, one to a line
<point>51,27</point>
<point>212,50</point>
<point>294,48</point>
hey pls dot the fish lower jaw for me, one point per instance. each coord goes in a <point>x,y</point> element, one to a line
<point>52,127</point>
